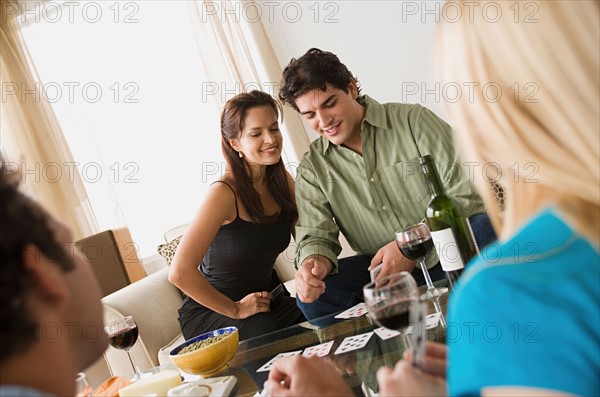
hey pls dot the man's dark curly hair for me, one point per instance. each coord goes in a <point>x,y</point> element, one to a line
<point>22,222</point>
<point>313,70</point>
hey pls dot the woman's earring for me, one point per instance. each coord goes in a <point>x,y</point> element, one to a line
<point>241,155</point>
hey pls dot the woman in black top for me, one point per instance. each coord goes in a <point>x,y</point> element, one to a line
<point>224,263</point>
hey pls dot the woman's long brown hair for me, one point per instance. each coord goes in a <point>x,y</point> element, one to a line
<point>232,124</point>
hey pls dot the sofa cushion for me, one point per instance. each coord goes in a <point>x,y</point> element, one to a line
<point>163,353</point>
<point>153,302</point>
<point>167,250</point>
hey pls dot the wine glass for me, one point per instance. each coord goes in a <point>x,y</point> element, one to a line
<point>415,243</point>
<point>123,335</point>
<point>389,300</point>
<point>82,386</point>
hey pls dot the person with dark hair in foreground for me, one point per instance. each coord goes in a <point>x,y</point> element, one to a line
<point>51,322</point>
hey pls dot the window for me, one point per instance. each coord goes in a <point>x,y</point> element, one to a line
<point>127,84</point>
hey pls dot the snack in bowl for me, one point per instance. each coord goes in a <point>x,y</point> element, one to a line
<point>208,353</point>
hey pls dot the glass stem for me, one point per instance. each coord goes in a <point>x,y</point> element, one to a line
<point>426,274</point>
<point>135,368</point>
<point>438,309</point>
<point>406,341</point>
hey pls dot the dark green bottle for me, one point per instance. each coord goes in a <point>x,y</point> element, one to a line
<point>450,229</point>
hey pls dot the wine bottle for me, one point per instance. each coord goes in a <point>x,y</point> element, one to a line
<point>450,229</point>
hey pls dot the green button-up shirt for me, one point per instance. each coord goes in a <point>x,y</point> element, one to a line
<point>371,196</point>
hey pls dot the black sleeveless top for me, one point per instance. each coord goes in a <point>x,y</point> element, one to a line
<point>240,258</point>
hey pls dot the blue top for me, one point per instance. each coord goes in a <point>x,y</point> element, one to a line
<point>20,391</point>
<point>526,313</point>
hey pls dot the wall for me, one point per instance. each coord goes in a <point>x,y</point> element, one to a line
<point>388,45</point>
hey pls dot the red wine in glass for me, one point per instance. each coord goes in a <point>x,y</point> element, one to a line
<point>415,243</point>
<point>417,249</point>
<point>124,339</point>
<point>394,316</point>
<point>389,301</point>
<point>123,335</point>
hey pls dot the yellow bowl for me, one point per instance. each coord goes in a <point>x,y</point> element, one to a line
<point>207,360</point>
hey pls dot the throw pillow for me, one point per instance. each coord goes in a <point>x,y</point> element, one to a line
<point>167,250</point>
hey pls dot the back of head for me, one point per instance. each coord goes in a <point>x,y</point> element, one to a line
<point>313,70</point>
<point>22,223</point>
<point>534,112</point>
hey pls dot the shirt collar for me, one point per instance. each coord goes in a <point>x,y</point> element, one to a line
<point>374,115</point>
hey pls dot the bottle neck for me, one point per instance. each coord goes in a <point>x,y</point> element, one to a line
<point>432,178</point>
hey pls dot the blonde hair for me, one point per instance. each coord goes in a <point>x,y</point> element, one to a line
<point>543,132</point>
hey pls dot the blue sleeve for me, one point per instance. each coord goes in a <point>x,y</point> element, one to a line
<point>516,325</point>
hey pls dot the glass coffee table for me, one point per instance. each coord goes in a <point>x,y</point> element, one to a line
<point>359,367</point>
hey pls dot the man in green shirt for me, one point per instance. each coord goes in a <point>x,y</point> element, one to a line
<point>361,178</point>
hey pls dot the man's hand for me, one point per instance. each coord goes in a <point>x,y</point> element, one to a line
<point>301,376</point>
<point>309,278</point>
<point>393,260</point>
<point>406,380</point>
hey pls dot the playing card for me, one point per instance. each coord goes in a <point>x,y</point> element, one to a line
<point>375,271</point>
<point>385,333</point>
<point>417,339</point>
<point>431,321</point>
<point>354,343</point>
<point>267,366</point>
<point>355,311</point>
<point>318,350</point>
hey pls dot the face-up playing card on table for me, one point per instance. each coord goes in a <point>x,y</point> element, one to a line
<point>431,321</point>
<point>385,333</point>
<point>318,350</point>
<point>269,364</point>
<point>354,343</point>
<point>355,311</point>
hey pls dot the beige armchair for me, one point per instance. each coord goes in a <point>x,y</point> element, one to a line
<point>153,302</point>
<point>113,257</point>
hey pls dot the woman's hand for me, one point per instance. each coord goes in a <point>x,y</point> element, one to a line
<point>301,376</point>
<point>406,380</point>
<point>256,302</point>
<point>435,361</point>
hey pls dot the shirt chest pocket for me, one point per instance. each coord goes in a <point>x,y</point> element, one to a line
<point>404,183</point>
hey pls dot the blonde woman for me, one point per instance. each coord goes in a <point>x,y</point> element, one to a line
<point>525,314</point>
<point>531,302</point>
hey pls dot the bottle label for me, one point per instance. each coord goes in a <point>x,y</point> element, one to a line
<point>447,250</point>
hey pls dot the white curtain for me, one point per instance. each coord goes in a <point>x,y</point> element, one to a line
<point>237,57</point>
<point>31,137</point>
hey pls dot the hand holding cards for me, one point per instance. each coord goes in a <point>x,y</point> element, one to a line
<point>418,338</point>
<point>375,271</point>
<point>276,295</point>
